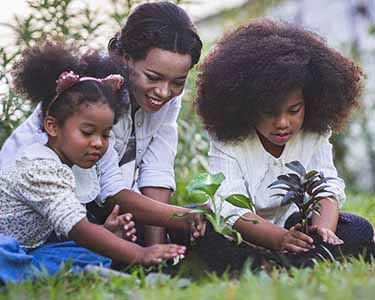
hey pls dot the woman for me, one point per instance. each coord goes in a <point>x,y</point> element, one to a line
<point>159,45</point>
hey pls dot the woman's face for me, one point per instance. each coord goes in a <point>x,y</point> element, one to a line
<point>158,78</point>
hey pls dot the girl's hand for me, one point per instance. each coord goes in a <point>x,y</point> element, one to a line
<point>122,225</point>
<point>157,253</point>
<point>197,225</point>
<point>328,236</point>
<point>296,241</point>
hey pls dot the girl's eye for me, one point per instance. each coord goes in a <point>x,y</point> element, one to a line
<point>295,110</point>
<point>86,133</point>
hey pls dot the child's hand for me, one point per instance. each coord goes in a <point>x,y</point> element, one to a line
<point>328,236</point>
<point>122,225</point>
<point>157,253</point>
<point>197,225</point>
<point>296,241</point>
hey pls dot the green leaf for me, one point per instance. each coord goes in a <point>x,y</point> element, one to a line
<point>311,174</point>
<point>238,237</point>
<point>239,200</point>
<point>208,183</point>
<point>297,167</point>
<point>249,220</point>
<point>198,197</point>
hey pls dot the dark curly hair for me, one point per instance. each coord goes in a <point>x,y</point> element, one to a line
<point>35,75</point>
<point>253,68</point>
<point>161,25</point>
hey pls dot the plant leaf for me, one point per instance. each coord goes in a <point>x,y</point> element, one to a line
<point>311,174</point>
<point>239,200</point>
<point>288,198</point>
<point>208,183</point>
<point>320,189</point>
<point>249,220</point>
<point>284,182</point>
<point>297,167</point>
<point>198,197</point>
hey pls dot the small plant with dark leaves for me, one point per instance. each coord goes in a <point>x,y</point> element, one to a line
<point>202,189</point>
<point>304,189</point>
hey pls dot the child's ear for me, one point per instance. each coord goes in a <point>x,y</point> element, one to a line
<point>51,126</point>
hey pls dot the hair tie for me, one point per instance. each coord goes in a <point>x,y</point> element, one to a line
<point>69,79</point>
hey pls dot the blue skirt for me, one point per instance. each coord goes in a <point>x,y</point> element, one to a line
<point>17,263</point>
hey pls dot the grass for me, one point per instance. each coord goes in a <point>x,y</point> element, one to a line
<point>348,280</point>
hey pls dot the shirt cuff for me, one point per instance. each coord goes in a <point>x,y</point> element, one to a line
<point>156,177</point>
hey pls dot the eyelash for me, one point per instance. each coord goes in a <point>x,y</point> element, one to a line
<point>85,133</point>
<point>295,110</point>
<point>153,78</point>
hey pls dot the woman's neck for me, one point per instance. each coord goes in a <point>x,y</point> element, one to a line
<point>134,106</point>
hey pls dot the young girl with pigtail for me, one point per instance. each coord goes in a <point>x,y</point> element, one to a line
<point>37,190</point>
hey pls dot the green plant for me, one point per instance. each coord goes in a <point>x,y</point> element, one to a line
<point>202,189</point>
<point>304,189</point>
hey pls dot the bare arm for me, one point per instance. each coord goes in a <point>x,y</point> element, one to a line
<point>325,223</point>
<point>104,242</point>
<point>329,214</point>
<point>271,236</point>
<point>149,211</point>
<point>152,234</point>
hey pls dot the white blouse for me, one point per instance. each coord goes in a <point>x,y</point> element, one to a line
<point>37,197</point>
<point>249,169</point>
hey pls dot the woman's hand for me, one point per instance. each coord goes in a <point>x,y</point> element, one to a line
<point>197,225</point>
<point>121,225</point>
<point>296,241</point>
<point>328,236</point>
<point>157,253</point>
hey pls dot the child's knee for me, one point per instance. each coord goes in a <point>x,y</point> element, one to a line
<point>360,228</point>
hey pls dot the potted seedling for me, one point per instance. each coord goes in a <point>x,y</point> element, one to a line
<point>304,189</point>
<point>203,189</point>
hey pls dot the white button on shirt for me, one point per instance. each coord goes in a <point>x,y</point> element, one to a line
<point>249,170</point>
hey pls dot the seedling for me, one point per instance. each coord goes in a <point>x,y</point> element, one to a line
<point>304,189</point>
<point>203,189</point>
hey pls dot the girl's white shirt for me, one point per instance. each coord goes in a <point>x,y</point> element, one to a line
<point>249,169</point>
<point>156,140</point>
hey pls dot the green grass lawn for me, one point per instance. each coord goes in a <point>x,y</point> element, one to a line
<point>349,280</point>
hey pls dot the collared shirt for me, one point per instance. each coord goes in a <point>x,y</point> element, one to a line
<point>37,197</point>
<point>156,140</point>
<point>249,170</point>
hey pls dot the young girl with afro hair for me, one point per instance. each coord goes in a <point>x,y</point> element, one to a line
<point>270,93</point>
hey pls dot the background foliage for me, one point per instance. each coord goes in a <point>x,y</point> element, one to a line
<point>63,19</point>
